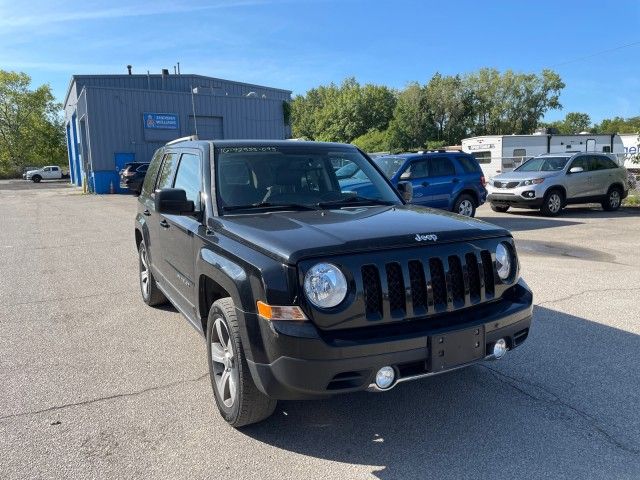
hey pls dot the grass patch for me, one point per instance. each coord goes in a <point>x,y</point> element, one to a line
<point>633,200</point>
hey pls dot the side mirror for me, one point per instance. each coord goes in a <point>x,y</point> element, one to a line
<point>173,201</point>
<point>576,170</point>
<point>406,190</point>
<point>406,175</point>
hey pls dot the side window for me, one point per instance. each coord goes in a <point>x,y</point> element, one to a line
<point>152,173</point>
<point>602,163</point>
<point>417,169</point>
<point>54,169</point>
<point>441,167</point>
<point>165,177</point>
<point>469,165</point>
<point>189,177</point>
<point>47,169</point>
<point>606,149</point>
<point>582,162</point>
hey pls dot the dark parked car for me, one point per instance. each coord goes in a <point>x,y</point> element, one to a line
<point>132,179</point>
<point>305,289</point>
<point>448,180</point>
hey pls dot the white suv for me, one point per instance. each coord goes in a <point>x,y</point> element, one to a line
<point>549,182</point>
<point>51,172</point>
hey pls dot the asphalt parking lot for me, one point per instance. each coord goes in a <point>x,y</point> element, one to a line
<point>95,384</point>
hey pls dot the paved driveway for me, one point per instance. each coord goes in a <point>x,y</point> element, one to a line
<point>94,384</point>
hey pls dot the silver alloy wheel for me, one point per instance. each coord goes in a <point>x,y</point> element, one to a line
<point>614,199</point>
<point>554,203</point>
<point>144,272</point>
<point>465,208</point>
<point>225,368</point>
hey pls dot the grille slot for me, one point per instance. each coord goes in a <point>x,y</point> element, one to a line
<point>372,291</point>
<point>418,287</point>
<point>457,281</point>
<point>489,278</point>
<point>395,284</point>
<point>474,276</point>
<point>438,283</point>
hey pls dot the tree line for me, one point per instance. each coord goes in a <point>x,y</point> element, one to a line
<point>31,125</point>
<point>440,112</point>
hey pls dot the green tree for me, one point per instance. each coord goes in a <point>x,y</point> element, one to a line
<point>450,107</point>
<point>342,113</point>
<point>618,125</point>
<point>373,141</point>
<point>412,124</point>
<point>31,127</point>
<point>573,122</point>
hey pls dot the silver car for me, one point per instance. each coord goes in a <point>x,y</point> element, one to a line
<point>551,181</point>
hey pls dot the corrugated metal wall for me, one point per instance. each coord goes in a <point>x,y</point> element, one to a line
<point>115,122</point>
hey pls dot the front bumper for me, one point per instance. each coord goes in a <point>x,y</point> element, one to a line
<point>527,196</point>
<point>307,363</point>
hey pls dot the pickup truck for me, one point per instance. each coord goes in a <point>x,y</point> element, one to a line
<point>50,172</point>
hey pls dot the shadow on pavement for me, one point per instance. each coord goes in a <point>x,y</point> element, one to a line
<point>564,405</point>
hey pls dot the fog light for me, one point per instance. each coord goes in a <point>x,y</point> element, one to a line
<point>385,377</point>
<point>500,348</point>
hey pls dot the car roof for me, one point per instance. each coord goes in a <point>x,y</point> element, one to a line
<point>411,156</point>
<point>259,143</point>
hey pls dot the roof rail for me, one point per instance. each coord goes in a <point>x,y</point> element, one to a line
<point>183,139</point>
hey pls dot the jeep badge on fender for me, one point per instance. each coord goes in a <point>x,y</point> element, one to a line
<point>305,288</point>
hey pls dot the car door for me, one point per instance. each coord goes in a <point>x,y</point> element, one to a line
<point>416,172</point>
<point>46,173</point>
<point>177,233</point>
<point>578,184</point>
<point>601,174</point>
<point>55,172</point>
<point>442,180</point>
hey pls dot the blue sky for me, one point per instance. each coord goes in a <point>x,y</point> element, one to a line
<point>301,44</point>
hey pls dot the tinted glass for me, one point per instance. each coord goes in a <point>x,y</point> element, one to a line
<point>543,164</point>
<point>441,167</point>
<point>142,168</point>
<point>469,165</point>
<point>189,178</point>
<point>582,162</point>
<point>418,169</point>
<point>296,174</point>
<point>482,157</point>
<point>602,163</point>
<point>152,172</point>
<point>389,165</point>
<point>165,177</point>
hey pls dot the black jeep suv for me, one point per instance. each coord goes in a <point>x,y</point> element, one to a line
<point>304,288</point>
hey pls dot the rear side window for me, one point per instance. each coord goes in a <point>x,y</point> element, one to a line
<point>441,167</point>
<point>602,163</point>
<point>152,173</point>
<point>469,165</point>
<point>165,177</point>
<point>189,178</point>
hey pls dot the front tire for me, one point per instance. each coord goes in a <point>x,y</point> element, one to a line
<point>36,178</point>
<point>151,294</point>
<point>238,399</point>
<point>613,200</point>
<point>499,208</point>
<point>552,204</point>
<point>465,205</point>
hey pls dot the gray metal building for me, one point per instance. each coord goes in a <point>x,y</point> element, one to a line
<point>115,119</point>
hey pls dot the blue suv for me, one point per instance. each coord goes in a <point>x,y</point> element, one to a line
<point>448,180</point>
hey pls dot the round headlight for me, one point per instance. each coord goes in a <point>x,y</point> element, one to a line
<point>325,285</point>
<point>503,261</point>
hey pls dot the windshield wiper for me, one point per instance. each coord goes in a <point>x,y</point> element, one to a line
<point>291,206</point>
<point>354,200</point>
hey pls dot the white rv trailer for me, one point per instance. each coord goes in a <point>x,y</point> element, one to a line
<point>503,153</point>
<point>631,145</point>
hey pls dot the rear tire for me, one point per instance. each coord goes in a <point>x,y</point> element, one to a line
<point>465,205</point>
<point>499,208</point>
<point>237,397</point>
<point>151,294</point>
<point>552,203</point>
<point>613,200</point>
<point>36,178</point>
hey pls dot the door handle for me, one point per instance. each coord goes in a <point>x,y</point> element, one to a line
<point>146,213</point>
<point>425,184</point>
<point>164,224</point>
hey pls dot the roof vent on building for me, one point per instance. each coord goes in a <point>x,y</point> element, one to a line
<point>165,71</point>
<point>129,69</point>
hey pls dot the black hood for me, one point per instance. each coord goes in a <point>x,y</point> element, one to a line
<point>292,236</point>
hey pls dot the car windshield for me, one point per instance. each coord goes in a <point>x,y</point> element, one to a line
<point>543,164</point>
<point>389,165</point>
<point>268,177</point>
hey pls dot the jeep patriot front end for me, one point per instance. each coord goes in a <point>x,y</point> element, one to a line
<point>304,288</point>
